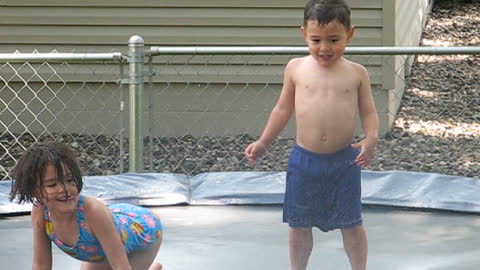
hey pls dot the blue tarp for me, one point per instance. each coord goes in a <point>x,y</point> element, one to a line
<point>389,188</point>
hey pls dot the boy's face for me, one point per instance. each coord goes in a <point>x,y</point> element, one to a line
<point>326,43</point>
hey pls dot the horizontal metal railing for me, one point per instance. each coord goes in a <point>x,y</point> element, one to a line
<point>278,50</point>
<point>60,57</point>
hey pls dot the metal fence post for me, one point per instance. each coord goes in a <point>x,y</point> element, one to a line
<point>136,57</point>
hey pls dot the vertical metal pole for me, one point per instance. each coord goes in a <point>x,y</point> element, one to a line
<point>122,120</point>
<point>135,83</point>
<point>151,109</point>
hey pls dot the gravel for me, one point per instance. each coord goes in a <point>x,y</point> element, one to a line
<point>437,128</point>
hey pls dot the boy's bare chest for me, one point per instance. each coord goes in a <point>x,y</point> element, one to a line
<point>327,89</point>
<point>330,83</point>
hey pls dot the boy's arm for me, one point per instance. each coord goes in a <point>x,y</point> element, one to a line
<point>369,118</point>
<point>279,116</point>
<point>100,221</point>
<point>367,110</point>
<point>284,108</point>
<point>42,246</point>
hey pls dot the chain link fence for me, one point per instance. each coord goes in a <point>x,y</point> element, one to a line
<point>72,98</point>
<point>437,127</point>
<point>207,104</point>
<point>194,110</point>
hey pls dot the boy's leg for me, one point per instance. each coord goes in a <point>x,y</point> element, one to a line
<point>355,244</point>
<point>301,244</point>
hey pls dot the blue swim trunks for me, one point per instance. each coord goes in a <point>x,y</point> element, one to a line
<point>323,190</point>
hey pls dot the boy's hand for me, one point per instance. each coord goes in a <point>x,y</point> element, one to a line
<point>254,150</point>
<point>366,146</point>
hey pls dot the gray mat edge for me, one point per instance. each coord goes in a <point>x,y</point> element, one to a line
<point>387,188</point>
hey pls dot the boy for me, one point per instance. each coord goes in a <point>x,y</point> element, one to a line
<point>323,176</point>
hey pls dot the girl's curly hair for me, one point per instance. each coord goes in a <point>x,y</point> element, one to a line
<point>28,174</point>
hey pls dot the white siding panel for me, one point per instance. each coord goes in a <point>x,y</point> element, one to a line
<point>158,3</point>
<point>173,73</point>
<point>164,35</point>
<point>168,16</point>
<point>86,16</point>
<point>105,26</point>
<point>181,3</point>
<point>367,18</point>
<point>410,18</point>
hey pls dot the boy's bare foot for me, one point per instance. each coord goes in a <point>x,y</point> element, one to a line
<point>155,266</point>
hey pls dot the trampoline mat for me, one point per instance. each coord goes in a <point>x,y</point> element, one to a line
<point>219,221</point>
<point>253,237</point>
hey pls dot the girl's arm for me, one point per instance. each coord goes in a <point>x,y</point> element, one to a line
<point>100,221</point>
<point>42,246</point>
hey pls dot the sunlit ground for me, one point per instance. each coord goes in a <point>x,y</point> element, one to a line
<point>439,128</point>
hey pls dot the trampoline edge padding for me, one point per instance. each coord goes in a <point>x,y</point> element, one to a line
<point>388,188</point>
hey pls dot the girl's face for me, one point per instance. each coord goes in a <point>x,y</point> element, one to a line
<point>58,196</point>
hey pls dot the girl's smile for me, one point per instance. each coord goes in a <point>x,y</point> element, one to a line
<point>59,195</point>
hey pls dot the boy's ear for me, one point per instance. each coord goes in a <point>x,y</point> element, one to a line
<point>303,31</point>
<point>350,33</point>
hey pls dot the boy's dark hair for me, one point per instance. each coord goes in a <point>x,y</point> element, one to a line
<point>326,11</point>
<point>29,172</point>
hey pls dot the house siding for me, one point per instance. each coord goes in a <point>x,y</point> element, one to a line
<point>105,26</point>
<point>409,19</point>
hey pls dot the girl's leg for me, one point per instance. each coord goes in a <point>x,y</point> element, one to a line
<point>355,244</point>
<point>144,259</point>
<point>94,266</point>
<point>301,244</point>
<point>139,260</point>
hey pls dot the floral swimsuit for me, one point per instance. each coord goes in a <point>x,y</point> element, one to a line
<point>138,229</point>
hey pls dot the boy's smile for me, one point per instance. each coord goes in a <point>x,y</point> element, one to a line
<point>326,43</point>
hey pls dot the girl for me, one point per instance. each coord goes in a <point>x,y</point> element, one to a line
<point>122,236</point>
